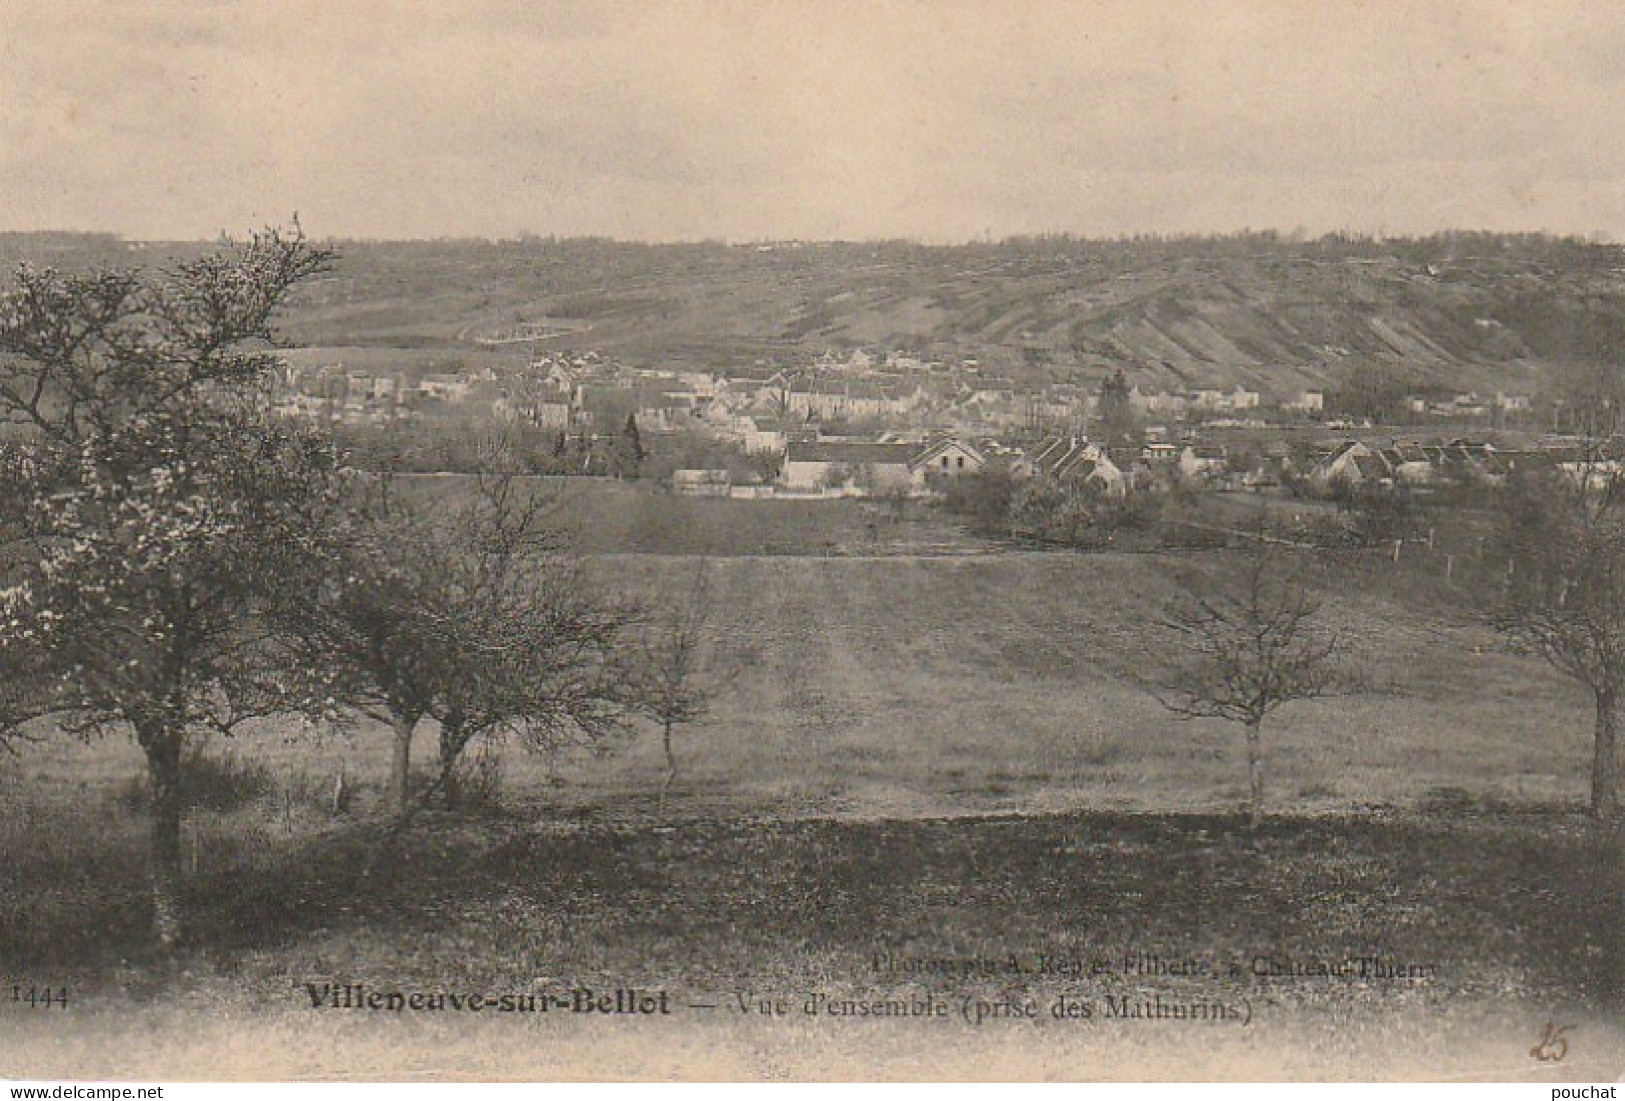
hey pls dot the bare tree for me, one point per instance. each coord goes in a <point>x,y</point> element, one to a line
<point>1591,397</point>
<point>670,689</point>
<point>532,652</point>
<point>781,400</point>
<point>1243,644</point>
<point>463,608</point>
<point>1557,587</point>
<point>371,626</point>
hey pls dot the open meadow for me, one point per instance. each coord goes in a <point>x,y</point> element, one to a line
<point>607,516</point>
<point>907,757</point>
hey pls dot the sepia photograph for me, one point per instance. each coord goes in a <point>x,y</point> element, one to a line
<point>784,541</point>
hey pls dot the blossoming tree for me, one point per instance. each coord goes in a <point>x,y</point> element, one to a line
<point>153,514</point>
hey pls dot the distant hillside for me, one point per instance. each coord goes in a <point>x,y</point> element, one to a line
<point>1474,311</point>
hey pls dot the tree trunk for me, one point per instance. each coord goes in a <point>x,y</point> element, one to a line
<point>1605,760</point>
<point>671,765</point>
<point>400,768</point>
<point>451,747</point>
<point>671,758</point>
<point>454,742</point>
<point>1255,777</point>
<point>164,769</point>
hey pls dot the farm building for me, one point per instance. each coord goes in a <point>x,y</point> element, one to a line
<point>1203,461</point>
<point>830,464</point>
<point>949,457</point>
<point>1352,463</point>
<point>700,483</point>
<point>1072,458</point>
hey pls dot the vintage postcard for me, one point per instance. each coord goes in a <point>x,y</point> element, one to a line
<point>812,540</point>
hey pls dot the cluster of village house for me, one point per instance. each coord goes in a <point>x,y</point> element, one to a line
<point>867,424</point>
<point>843,466</point>
<point>1357,464</point>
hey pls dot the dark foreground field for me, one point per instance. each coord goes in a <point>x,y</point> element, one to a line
<point>1485,926</point>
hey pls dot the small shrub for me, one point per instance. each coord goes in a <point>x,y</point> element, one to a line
<point>1450,801</point>
<point>209,781</point>
<point>1381,517</point>
<point>1099,751</point>
<point>476,778</point>
<point>327,793</point>
<point>984,498</point>
<point>1179,535</point>
<point>223,782</point>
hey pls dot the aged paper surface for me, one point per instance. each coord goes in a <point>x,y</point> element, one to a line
<point>935,812</point>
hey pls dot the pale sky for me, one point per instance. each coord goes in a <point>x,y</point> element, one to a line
<point>940,120</point>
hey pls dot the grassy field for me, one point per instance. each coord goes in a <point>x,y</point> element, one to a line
<point>890,685</point>
<point>597,516</point>
<point>927,756</point>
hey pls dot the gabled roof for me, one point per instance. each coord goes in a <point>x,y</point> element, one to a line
<point>1055,450</point>
<point>1342,449</point>
<point>1576,454</point>
<point>867,391</point>
<point>824,451</point>
<point>935,449</point>
<point>1372,466</point>
<point>665,385</point>
<point>1071,457</point>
